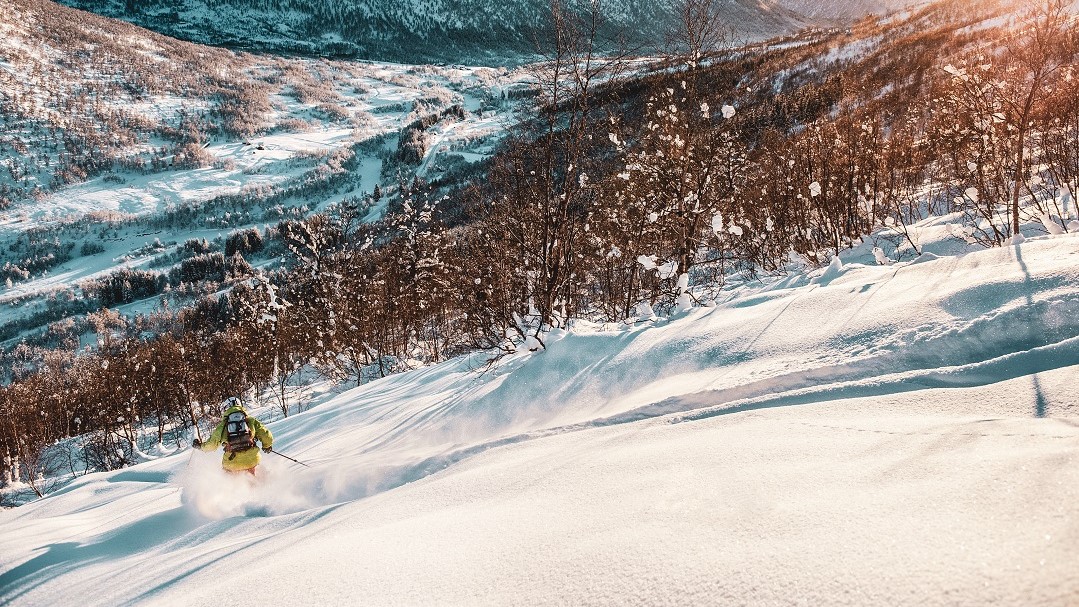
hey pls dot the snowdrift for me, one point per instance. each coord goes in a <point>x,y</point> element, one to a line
<point>903,434</point>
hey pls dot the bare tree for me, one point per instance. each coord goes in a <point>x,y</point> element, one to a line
<point>700,30</point>
<point>546,184</point>
<point>1036,54</point>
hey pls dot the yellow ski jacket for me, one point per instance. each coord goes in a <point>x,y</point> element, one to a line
<point>246,459</point>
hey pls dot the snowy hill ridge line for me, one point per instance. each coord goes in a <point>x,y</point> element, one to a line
<point>1016,365</point>
<point>452,32</point>
<point>773,393</point>
<point>861,379</point>
<point>473,31</point>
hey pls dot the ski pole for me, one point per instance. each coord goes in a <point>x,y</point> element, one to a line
<point>290,458</point>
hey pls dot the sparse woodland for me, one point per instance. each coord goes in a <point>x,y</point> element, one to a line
<point>619,198</point>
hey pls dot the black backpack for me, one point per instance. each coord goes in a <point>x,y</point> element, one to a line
<point>238,432</point>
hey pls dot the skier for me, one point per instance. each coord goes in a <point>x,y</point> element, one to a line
<point>238,433</point>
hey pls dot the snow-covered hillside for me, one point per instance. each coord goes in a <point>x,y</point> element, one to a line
<point>416,31</point>
<point>846,10</point>
<point>143,143</point>
<point>899,434</point>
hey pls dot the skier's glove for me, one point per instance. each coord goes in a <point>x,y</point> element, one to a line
<point>196,443</point>
<point>267,449</point>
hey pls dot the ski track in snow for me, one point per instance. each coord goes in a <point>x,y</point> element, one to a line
<point>870,435</point>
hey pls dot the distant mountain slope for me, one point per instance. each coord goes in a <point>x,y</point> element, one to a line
<point>79,93</point>
<point>410,31</point>
<point>82,95</point>
<point>844,10</point>
<point>119,145</point>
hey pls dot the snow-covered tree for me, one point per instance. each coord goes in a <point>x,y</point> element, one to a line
<point>545,184</point>
<point>679,189</point>
<point>989,116</point>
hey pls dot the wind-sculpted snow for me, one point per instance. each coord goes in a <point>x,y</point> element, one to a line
<point>901,434</point>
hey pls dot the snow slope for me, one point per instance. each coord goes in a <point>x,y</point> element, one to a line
<point>416,31</point>
<point>306,148</point>
<point>904,434</point>
<point>846,10</point>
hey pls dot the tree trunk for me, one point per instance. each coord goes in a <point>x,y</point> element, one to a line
<point>9,473</point>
